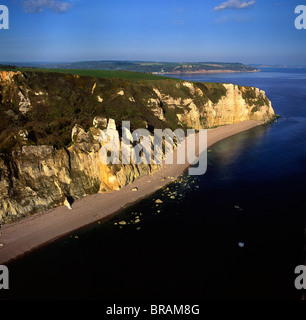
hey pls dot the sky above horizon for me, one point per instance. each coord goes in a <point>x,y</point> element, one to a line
<point>250,32</point>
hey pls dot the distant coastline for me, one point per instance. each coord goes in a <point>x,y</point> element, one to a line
<point>153,67</point>
<point>206,71</point>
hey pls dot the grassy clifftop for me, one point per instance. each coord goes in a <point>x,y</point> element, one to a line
<point>123,75</point>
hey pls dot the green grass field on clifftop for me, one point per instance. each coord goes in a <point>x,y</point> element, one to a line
<point>109,74</point>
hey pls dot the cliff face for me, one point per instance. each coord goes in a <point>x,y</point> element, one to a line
<point>234,106</point>
<point>40,177</point>
<point>50,123</point>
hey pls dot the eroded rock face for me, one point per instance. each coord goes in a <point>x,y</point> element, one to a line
<point>36,177</point>
<point>24,103</point>
<point>79,135</point>
<point>231,108</point>
<point>111,124</point>
<point>191,116</point>
<point>99,122</point>
<point>7,76</point>
<point>234,108</point>
<point>7,80</point>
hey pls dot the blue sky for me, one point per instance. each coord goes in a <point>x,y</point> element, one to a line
<point>260,31</point>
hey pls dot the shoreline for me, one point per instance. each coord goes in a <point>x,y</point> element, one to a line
<point>206,71</point>
<point>30,233</point>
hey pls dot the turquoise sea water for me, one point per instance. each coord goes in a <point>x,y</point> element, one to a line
<point>188,247</point>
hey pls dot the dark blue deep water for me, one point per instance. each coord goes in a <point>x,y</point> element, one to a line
<point>187,247</point>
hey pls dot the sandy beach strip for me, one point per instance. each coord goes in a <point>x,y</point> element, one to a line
<point>20,237</point>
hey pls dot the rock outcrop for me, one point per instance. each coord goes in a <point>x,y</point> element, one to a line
<point>50,127</point>
<point>37,178</point>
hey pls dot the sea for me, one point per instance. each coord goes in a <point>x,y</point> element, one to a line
<point>236,232</point>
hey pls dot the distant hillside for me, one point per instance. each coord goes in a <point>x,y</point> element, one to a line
<point>152,67</point>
